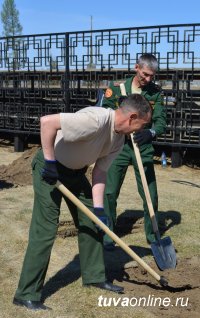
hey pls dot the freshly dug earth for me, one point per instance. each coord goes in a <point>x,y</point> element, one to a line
<point>18,173</point>
<point>179,299</point>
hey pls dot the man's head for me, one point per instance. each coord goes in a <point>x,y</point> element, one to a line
<point>133,114</point>
<point>146,67</point>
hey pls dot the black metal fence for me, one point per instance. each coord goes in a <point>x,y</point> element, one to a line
<point>51,73</point>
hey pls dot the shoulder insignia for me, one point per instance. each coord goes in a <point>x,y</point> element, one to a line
<point>108,92</point>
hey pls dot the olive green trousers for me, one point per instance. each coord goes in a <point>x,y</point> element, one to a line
<point>115,178</point>
<point>43,230</point>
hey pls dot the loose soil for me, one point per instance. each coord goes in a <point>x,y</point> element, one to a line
<point>183,282</point>
<point>183,288</point>
<point>18,172</point>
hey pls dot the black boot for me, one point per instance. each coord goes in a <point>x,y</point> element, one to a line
<point>30,304</point>
<point>107,286</point>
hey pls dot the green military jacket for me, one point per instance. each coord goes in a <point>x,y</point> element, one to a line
<point>151,92</point>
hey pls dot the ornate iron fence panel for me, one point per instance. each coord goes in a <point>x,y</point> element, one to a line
<point>52,73</point>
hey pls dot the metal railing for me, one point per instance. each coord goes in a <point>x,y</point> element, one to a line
<point>50,73</point>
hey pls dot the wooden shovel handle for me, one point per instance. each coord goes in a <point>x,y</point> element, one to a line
<point>115,238</point>
<point>145,185</point>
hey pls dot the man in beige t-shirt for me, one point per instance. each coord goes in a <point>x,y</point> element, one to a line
<point>70,143</point>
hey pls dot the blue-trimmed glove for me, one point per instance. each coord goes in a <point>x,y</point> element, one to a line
<point>99,212</point>
<point>144,136</point>
<point>49,172</point>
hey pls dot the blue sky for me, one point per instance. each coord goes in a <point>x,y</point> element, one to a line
<point>50,16</point>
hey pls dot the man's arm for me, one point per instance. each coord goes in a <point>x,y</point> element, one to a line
<point>49,125</point>
<point>159,116</point>
<point>98,186</point>
<point>111,97</point>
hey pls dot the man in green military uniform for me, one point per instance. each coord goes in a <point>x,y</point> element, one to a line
<point>141,83</point>
<point>67,139</point>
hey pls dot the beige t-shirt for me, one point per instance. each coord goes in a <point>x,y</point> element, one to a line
<point>86,137</point>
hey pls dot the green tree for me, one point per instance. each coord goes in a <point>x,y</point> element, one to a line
<point>11,28</point>
<point>10,19</point>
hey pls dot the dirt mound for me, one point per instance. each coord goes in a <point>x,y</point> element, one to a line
<point>179,299</point>
<point>18,173</point>
<point>182,293</point>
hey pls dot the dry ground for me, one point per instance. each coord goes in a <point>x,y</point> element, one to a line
<point>179,192</point>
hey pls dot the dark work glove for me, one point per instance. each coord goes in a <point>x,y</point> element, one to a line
<point>49,172</point>
<point>99,212</point>
<point>144,136</point>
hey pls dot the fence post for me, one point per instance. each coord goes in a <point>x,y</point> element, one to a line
<point>67,75</point>
<point>176,154</point>
<point>19,143</point>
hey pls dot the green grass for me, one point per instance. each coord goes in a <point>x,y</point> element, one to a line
<point>178,206</point>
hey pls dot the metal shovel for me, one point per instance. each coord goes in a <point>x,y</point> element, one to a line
<point>162,249</point>
<point>161,279</point>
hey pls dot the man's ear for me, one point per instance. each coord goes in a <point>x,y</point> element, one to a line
<point>136,67</point>
<point>133,116</point>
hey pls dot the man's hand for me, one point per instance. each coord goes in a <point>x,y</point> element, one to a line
<point>49,172</point>
<point>144,136</point>
<point>99,212</point>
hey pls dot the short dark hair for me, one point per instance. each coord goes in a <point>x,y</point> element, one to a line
<point>148,60</point>
<point>135,102</point>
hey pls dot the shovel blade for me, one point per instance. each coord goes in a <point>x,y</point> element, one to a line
<point>164,253</point>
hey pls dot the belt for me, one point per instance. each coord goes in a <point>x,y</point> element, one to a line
<point>60,166</point>
<point>71,171</point>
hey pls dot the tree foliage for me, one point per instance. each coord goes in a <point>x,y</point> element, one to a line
<point>10,19</point>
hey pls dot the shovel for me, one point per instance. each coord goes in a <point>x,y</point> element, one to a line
<point>161,279</point>
<point>162,249</point>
